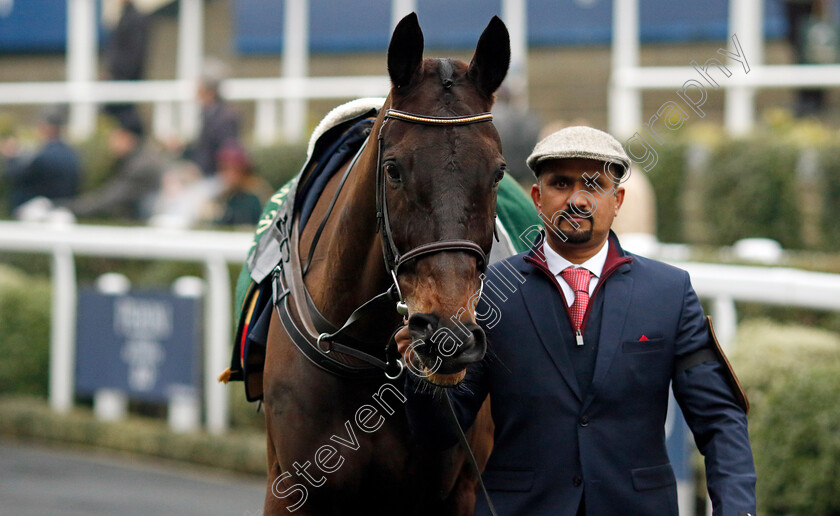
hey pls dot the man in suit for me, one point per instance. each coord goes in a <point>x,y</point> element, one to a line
<point>54,171</point>
<point>581,357</point>
<point>219,121</point>
<point>135,179</point>
<point>125,54</point>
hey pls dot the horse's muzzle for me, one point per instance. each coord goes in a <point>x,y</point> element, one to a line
<point>444,346</point>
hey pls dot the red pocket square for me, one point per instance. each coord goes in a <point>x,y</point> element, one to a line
<point>643,338</point>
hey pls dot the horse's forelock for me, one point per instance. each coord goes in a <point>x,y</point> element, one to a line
<point>445,186</point>
<point>442,88</point>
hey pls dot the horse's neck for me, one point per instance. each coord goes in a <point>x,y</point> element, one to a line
<point>347,267</point>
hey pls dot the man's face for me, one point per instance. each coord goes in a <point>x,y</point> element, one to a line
<point>577,199</point>
<point>47,131</point>
<point>206,96</point>
<point>121,142</point>
<point>231,175</point>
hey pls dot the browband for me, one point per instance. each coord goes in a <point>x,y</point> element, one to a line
<point>442,120</point>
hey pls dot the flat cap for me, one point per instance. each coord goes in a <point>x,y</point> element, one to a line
<point>129,121</point>
<point>578,142</point>
<point>55,116</point>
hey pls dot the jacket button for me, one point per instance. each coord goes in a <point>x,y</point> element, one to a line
<point>584,421</point>
<point>577,481</point>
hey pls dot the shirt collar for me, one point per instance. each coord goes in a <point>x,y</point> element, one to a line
<point>557,263</point>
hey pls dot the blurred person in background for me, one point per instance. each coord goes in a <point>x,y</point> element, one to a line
<point>803,17</point>
<point>125,53</point>
<point>184,193</point>
<point>219,122</point>
<point>242,193</point>
<point>519,130</point>
<point>53,171</point>
<point>134,180</point>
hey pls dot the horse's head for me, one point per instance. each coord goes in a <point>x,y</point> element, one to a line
<point>440,180</point>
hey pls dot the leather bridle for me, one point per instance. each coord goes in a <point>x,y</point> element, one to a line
<point>391,254</point>
<point>394,259</point>
<point>314,335</point>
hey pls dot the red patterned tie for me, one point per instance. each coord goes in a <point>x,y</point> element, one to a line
<point>578,279</point>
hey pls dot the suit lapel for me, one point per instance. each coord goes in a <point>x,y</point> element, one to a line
<point>617,295</point>
<point>542,301</point>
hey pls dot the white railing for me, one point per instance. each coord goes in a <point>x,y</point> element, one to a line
<point>723,285</point>
<point>781,286</point>
<point>175,106</point>
<point>628,80</point>
<point>170,97</point>
<point>63,242</point>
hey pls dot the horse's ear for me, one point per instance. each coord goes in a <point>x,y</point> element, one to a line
<point>490,63</point>
<point>405,52</point>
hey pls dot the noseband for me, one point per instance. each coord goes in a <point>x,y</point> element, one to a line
<point>393,258</point>
<point>317,338</point>
<point>311,332</point>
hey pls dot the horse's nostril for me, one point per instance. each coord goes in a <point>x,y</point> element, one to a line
<point>423,324</point>
<point>478,336</point>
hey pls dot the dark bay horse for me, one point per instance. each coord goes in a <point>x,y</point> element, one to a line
<point>342,446</point>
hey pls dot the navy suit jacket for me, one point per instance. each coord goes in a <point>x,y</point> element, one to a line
<point>555,443</point>
<point>55,172</point>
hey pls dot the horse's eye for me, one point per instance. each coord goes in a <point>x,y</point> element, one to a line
<point>500,173</point>
<point>392,171</point>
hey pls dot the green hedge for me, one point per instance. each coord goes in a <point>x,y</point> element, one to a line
<point>750,186</point>
<point>277,164</point>
<point>790,373</point>
<point>668,181</point>
<point>751,191</point>
<point>24,332</point>
<point>830,219</point>
<point>797,436</point>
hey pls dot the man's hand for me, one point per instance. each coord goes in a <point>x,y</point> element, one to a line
<point>403,340</point>
<point>9,147</point>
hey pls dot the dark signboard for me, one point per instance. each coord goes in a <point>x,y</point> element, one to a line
<point>145,344</point>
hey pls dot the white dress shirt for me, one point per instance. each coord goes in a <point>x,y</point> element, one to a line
<point>556,264</point>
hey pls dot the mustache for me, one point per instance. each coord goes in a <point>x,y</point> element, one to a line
<point>567,214</point>
<point>574,212</point>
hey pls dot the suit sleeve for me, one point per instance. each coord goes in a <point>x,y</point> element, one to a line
<point>17,168</point>
<point>426,408</point>
<point>717,421</point>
